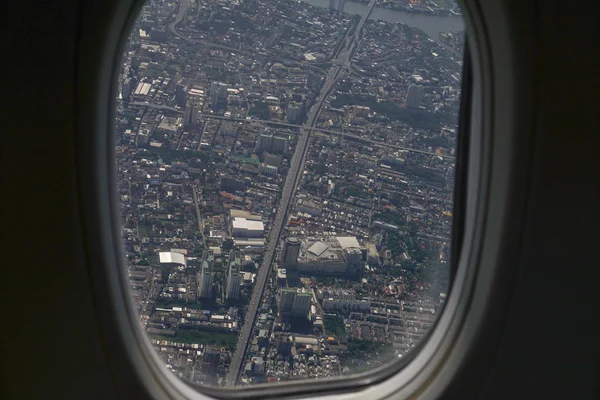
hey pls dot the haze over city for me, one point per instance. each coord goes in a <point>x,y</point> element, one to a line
<point>286,177</point>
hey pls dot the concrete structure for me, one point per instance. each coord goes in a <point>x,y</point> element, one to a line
<point>310,207</point>
<point>272,159</point>
<point>294,113</point>
<point>286,300</point>
<point>172,257</point>
<point>353,256</point>
<point>301,305</point>
<point>271,144</point>
<point>190,116</point>
<point>268,170</point>
<point>413,96</point>
<point>322,257</point>
<point>294,302</point>
<point>126,88</point>
<point>242,227</point>
<point>335,300</point>
<point>291,249</point>
<point>218,94</point>
<point>281,276</point>
<point>372,255</point>
<point>180,95</point>
<point>234,278</point>
<point>206,275</point>
<point>331,6</point>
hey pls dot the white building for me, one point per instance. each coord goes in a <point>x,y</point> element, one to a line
<point>242,227</point>
<point>172,257</point>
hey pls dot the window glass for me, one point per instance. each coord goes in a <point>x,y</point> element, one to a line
<point>286,176</point>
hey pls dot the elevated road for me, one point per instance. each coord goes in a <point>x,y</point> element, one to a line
<point>288,125</point>
<point>287,195</point>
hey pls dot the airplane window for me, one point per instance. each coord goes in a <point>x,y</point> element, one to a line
<point>286,176</point>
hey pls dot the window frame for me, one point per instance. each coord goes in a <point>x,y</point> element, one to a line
<point>105,26</point>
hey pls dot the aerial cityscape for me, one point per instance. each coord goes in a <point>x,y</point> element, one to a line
<point>286,178</point>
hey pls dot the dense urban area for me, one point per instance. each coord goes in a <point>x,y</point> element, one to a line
<point>286,177</point>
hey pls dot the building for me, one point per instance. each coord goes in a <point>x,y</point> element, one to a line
<point>190,115</point>
<point>271,144</point>
<point>341,5</point>
<point>413,96</point>
<point>126,89</point>
<point>330,256</point>
<point>301,305</point>
<point>206,275</point>
<point>243,227</point>
<point>331,6</point>
<point>234,278</point>
<point>268,170</point>
<point>272,159</point>
<point>309,207</point>
<point>286,300</point>
<point>284,343</point>
<point>335,300</point>
<point>172,258</point>
<point>180,95</point>
<point>218,94</point>
<point>230,184</point>
<point>281,276</point>
<point>294,302</point>
<point>294,113</point>
<point>372,255</point>
<point>291,249</point>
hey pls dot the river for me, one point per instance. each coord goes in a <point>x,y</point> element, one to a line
<point>432,25</point>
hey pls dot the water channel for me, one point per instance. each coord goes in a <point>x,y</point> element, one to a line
<point>432,25</point>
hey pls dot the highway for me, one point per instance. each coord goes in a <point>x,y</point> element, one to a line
<point>341,63</point>
<point>287,195</point>
<point>285,124</point>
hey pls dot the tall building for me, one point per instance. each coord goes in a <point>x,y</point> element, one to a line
<point>291,249</point>
<point>264,143</point>
<point>413,96</point>
<point>294,302</point>
<point>301,305</point>
<point>206,276</point>
<point>294,113</point>
<point>234,278</point>
<point>271,144</point>
<point>126,89</point>
<point>180,94</point>
<point>190,115</point>
<point>331,6</point>
<point>286,300</point>
<point>341,5</point>
<point>218,94</point>
<point>280,145</point>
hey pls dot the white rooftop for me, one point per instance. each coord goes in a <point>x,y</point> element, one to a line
<point>171,257</point>
<point>243,223</point>
<point>347,241</point>
<point>318,248</point>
